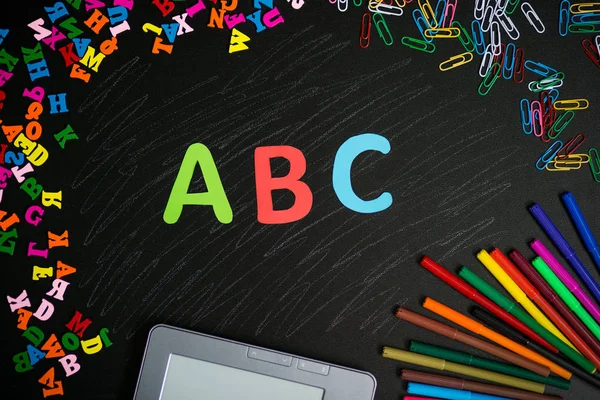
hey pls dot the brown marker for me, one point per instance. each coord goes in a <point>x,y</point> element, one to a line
<point>455,334</point>
<point>459,383</point>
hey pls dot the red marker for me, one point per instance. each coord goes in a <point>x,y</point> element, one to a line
<point>471,293</point>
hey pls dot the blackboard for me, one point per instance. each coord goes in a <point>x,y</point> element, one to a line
<point>460,170</point>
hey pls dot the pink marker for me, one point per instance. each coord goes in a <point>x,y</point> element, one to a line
<point>566,278</point>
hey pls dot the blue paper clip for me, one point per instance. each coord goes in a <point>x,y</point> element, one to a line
<point>548,155</point>
<point>421,23</point>
<point>440,12</point>
<point>589,18</point>
<point>553,93</point>
<point>526,116</point>
<point>594,163</point>
<point>539,68</point>
<point>508,66</point>
<point>478,37</point>
<point>563,17</point>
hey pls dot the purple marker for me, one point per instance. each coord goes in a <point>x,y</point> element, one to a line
<point>566,278</point>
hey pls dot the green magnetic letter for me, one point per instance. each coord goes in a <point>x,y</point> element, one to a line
<point>214,196</point>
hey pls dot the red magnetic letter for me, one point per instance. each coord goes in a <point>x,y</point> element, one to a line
<point>265,184</point>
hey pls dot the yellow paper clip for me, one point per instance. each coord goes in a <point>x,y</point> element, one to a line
<point>373,5</point>
<point>584,8</point>
<point>571,162</point>
<point>456,61</point>
<point>428,13</point>
<point>572,104</point>
<point>442,33</point>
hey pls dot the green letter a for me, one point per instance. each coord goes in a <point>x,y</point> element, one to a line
<point>214,196</point>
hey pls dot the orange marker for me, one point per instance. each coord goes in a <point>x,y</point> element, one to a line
<point>480,329</point>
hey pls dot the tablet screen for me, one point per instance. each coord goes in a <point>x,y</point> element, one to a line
<point>192,379</point>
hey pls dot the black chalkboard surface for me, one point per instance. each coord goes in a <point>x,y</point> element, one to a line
<point>90,265</point>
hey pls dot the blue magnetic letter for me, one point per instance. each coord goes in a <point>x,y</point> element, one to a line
<point>342,166</point>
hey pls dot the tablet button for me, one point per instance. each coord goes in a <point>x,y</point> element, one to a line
<point>269,356</point>
<point>313,367</point>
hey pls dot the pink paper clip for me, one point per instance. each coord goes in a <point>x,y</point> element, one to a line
<point>450,10</point>
<point>537,118</point>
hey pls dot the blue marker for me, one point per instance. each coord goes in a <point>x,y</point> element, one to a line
<point>582,227</point>
<point>565,249</point>
<point>447,393</point>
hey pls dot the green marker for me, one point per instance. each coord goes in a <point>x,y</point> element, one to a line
<point>566,296</point>
<point>512,308</point>
<point>480,362</point>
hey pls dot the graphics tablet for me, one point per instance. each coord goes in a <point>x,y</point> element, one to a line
<point>179,364</point>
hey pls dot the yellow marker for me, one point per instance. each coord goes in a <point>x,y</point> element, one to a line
<point>519,295</point>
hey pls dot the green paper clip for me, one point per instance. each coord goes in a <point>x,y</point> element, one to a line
<point>357,3</point>
<point>594,163</point>
<point>584,28</point>
<point>561,123</point>
<point>417,44</point>
<point>465,38</point>
<point>489,79</point>
<point>512,6</point>
<point>382,29</point>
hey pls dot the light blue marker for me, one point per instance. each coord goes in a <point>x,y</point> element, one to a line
<point>447,393</point>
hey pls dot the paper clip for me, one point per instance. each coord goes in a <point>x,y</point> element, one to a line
<point>512,6</point>
<point>357,3</point>
<point>563,17</point>
<point>548,111</point>
<point>570,147</point>
<point>500,57</point>
<point>591,51</point>
<point>548,155</point>
<point>519,73</point>
<point>442,33</point>
<point>508,25</point>
<point>571,104</point>
<point>501,6</point>
<point>589,18</point>
<point>598,44</point>
<point>372,6</point>
<point>488,16</point>
<point>532,17</point>
<point>428,13</point>
<point>508,64</point>
<point>421,23</point>
<point>553,93</point>
<point>440,11</point>
<point>387,9</point>
<point>594,163</point>
<point>490,78</point>
<point>526,116</point>
<point>365,31</point>
<point>495,37</point>
<point>571,162</point>
<point>584,8</point>
<point>342,5</point>
<point>539,68</point>
<point>537,120</point>
<point>464,38</point>
<point>456,61</point>
<point>478,37</point>
<point>450,11</point>
<point>486,61</point>
<point>561,123</point>
<point>479,9</point>
<point>382,29</point>
<point>417,44</point>
<point>332,1</point>
<point>584,28</point>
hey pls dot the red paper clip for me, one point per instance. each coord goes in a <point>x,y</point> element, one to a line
<point>519,66</point>
<point>592,51</point>
<point>365,31</point>
<point>570,146</point>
